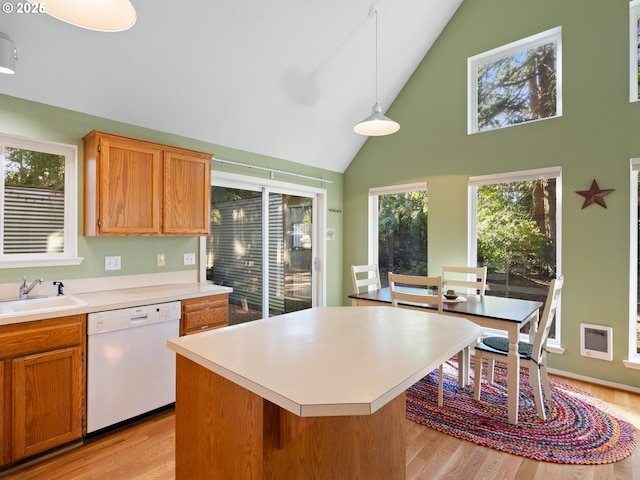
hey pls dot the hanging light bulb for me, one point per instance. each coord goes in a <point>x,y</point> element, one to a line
<point>376,124</point>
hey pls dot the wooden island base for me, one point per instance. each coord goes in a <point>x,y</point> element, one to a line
<point>224,431</point>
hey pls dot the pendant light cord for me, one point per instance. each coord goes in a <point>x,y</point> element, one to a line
<point>376,11</point>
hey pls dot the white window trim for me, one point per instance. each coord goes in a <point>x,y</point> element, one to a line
<point>554,344</point>
<point>70,254</point>
<point>374,193</point>
<point>542,38</point>
<point>233,180</point>
<point>634,357</point>
<point>634,10</point>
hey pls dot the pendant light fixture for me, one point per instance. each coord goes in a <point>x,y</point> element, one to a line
<point>8,54</point>
<point>100,15</point>
<point>376,124</point>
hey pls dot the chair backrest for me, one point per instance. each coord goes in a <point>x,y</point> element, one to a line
<point>465,277</point>
<point>544,324</point>
<point>419,295</point>
<point>372,277</point>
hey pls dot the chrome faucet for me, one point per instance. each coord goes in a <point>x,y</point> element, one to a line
<point>24,290</point>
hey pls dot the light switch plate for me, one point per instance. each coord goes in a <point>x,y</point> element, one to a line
<point>189,258</point>
<point>160,260</point>
<point>112,262</point>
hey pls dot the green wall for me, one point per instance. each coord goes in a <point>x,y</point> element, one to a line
<point>34,120</point>
<point>594,139</point>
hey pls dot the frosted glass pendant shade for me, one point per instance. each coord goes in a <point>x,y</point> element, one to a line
<point>376,124</point>
<point>100,15</point>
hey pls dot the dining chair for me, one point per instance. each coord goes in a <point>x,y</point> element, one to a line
<point>413,298</point>
<point>372,277</point>
<point>533,356</point>
<point>464,280</point>
<point>465,277</point>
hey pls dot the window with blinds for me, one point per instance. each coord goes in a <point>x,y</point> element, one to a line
<point>38,200</point>
<point>33,220</point>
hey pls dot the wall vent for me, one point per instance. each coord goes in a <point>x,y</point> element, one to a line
<point>596,341</point>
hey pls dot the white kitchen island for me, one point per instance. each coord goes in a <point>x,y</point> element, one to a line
<point>317,393</point>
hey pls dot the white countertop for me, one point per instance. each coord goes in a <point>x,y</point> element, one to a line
<point>124,298</point>
<point>331,361</point>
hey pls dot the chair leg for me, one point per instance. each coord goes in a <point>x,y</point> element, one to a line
<point>440,385</point>
<point>544,377</point>
<point>477,380</point>
<point>490,364</point>
<point>463,367</point>
<point>534,380</point>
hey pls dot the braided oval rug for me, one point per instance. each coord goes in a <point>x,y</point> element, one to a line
<point>580,429</point>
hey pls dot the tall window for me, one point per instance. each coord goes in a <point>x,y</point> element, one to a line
<point>38,203</point>
<point>634,50</point>
<point>517,234</point>
<point>517,83</point>
<point>398,230</point>
<point>634,312</point>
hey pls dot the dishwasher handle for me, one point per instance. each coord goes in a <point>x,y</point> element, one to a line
<point>139,319</point>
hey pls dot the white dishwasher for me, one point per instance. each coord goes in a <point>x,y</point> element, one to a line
<point>130,370</point>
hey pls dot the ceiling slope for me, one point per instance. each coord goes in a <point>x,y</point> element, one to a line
<point>285,78</point>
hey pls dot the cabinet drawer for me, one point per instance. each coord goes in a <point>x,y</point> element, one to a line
<point>204,313</point>
<point>41,335</point>
<point>205,319</point>
<point>205,303</point>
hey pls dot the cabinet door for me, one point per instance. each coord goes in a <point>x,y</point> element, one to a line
<point>130,187</point>
<point>4,440</point>
<point>187,193</point>
<point>48,404</point>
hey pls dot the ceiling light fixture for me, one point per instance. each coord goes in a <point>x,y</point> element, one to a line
<point>100,15</point>
<point>376,124</point>
<point>8,54</point>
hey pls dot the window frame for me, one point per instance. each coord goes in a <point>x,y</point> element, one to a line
<point>374,193</point>
<point>634,88</point>
<point>70,254</point>
<point>533,41</point>
<point>633,355</point>
<point>554,344</point>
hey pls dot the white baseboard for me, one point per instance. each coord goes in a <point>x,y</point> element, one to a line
<point>596,381</point>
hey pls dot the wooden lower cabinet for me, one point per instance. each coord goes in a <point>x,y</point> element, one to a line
<point>42,368</point>
<point>204,313</point>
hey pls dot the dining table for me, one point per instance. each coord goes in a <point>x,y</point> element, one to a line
<point>488,311</point>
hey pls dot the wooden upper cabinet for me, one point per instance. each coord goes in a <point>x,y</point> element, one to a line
<point>187,192</point>
<point>136,187</point>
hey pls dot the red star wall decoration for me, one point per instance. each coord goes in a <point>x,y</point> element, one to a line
<point>594,195</point>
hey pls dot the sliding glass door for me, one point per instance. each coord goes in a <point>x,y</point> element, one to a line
<point>262,245</point>
<point>290,253</point>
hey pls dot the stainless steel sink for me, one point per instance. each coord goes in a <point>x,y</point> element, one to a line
<point>39,305</point>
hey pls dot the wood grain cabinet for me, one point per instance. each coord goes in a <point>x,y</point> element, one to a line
<point>136,187</point>
<point>204,313</point>
<point>42,368</point>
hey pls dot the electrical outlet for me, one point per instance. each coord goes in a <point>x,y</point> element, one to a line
<point>189,258</point>
<point>112,262</point>
<point>160,260</point>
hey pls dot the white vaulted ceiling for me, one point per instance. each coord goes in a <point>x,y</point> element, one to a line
<point>283,78</point>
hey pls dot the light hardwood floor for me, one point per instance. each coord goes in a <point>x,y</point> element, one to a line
<point>145,451</point>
